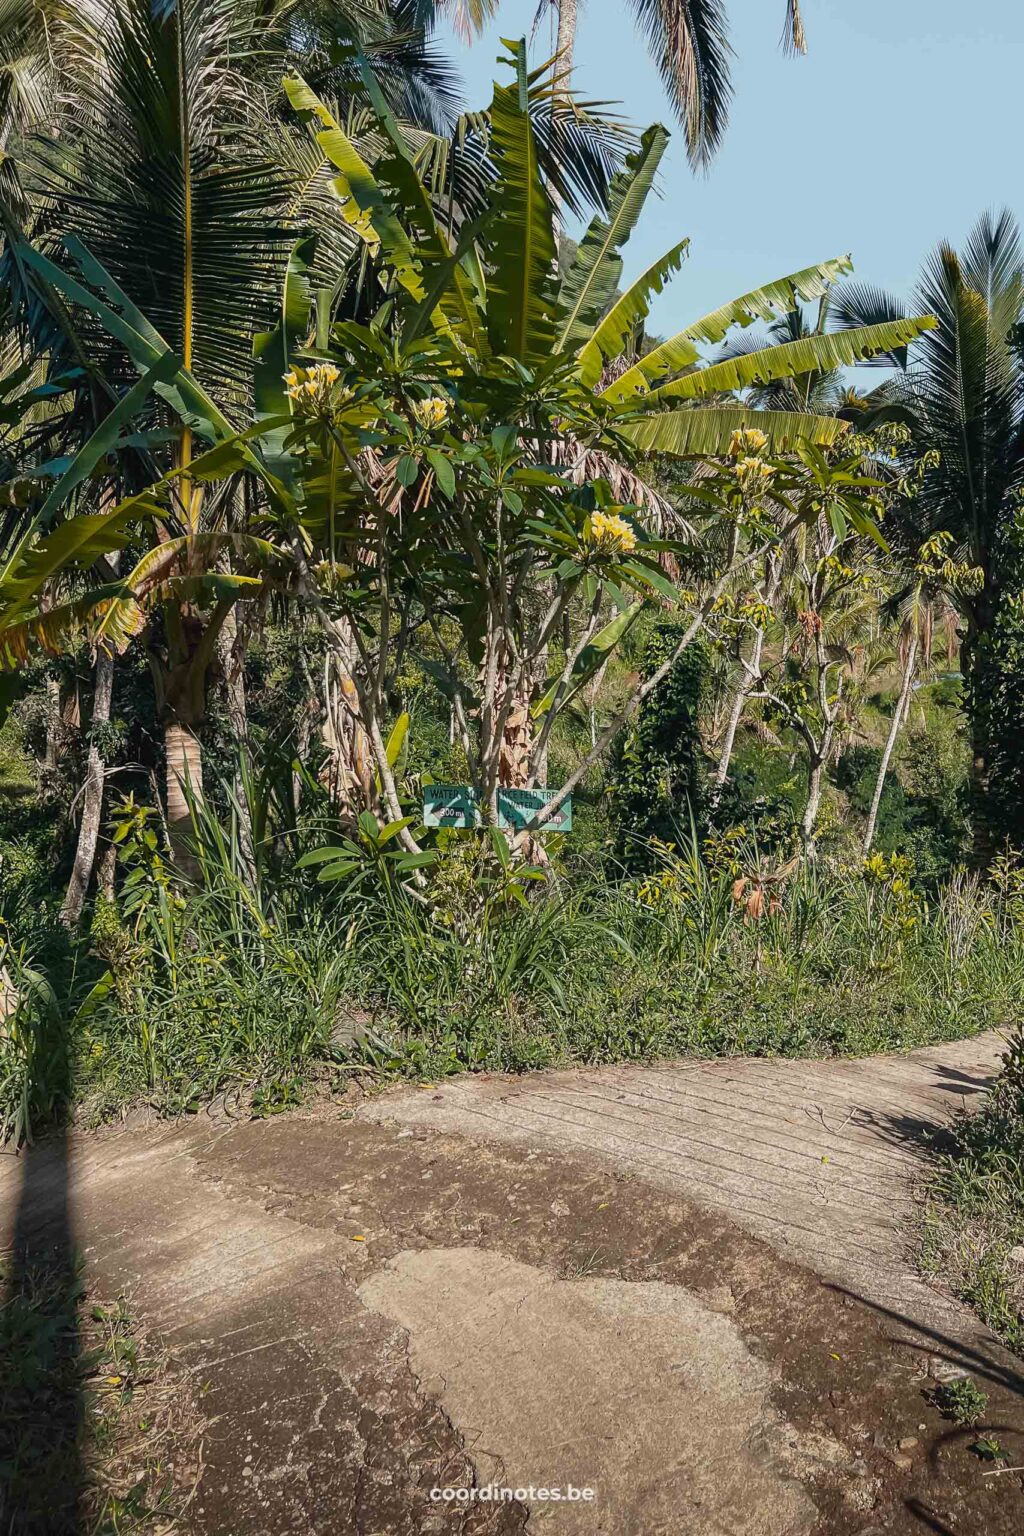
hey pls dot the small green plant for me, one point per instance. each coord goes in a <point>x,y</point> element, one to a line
<point>274,1097</point>
<point>962,1401</point>
<point>92,1417</point>
<point>988,1449</point>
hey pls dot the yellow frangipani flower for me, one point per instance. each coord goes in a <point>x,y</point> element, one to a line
<point>431,413</point>
<point>312,388</point>
<point>611,533</point>
<point>747,440</point>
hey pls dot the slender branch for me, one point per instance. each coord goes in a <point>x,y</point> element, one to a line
<point>640,693</point>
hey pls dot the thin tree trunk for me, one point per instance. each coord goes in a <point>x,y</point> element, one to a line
<point>92,796</point>
<point>565,47</point>
<point>106,868</point>
<point>739,703</point>
<point>899,715</point>
<point>238,719</point>
<point>348,769</point>
<point>813,806</point>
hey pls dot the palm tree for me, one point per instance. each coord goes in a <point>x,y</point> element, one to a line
<point>687,39</point>
<point>166,154</point>
<point>966,393</point>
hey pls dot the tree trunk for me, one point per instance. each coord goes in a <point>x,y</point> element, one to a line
<point>92,796</point>
<point>238,719</point>
<point>184,756</point>
<point>899,715</point>
<point>565,46</point>
<point>739,703</point>
<point>813,806</point>
<point>106,868</point>
<point>347,772</point>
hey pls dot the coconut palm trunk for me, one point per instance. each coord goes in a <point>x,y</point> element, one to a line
<point>184,781</point>
<point>898,718</point>
<point>92,795</point>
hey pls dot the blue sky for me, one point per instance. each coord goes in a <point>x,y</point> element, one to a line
<point>898,129</point>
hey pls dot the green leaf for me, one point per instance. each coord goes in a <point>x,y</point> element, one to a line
<point>397,739</point>
<point>627,314</point>
<point>521,252</point>
<point>443,471</point>
<point>499,842</point>
<point>392,830</point>
<point>104,439</point>
<point>144,345</point>
<point>416,860</point>
<point>273,350</point>
<point>771,299</point>
<point>705,432</point>
<point>338,871</point>
<point>364,205</point>
<point>369,825</point>
<point>406,469</point>
<point>590,658</point>
<point>765,303</point>
<point>317,856</point>
<point>811,354</point>
<point>596,269</point>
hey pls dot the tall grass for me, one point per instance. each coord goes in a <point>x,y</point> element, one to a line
<point>263,976</point>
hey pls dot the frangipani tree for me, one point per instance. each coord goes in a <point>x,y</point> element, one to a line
<point>518,361</point>
<point>930,583</point>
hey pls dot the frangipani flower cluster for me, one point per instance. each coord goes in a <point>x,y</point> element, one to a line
<point>753,474</point>
<point>611,534</point>
<point>312,388</point>
<point>431,413</point>
<point>745,441</point>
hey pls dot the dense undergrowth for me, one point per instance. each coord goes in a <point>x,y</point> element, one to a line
<point>271,983</point>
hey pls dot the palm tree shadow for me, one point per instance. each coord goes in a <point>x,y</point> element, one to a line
<point>41,1399</point>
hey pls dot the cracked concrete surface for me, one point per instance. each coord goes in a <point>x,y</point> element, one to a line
<point>425,1296</point>
<point>822,1159</point>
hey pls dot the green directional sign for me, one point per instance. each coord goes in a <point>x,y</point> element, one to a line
<point>450,805</point>
<point>518,807</point>
<point>453,805</point>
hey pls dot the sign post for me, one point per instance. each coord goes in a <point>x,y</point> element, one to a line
<point>453,805</point>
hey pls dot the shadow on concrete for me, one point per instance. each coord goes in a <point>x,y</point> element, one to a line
<point>955,1080</point>
<point>41,1367</point>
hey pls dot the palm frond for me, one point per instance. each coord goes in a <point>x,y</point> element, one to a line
<point>689,41</point>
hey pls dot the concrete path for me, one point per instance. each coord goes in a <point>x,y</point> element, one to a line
<point>822,1159</point>
<point>643,1281</point>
